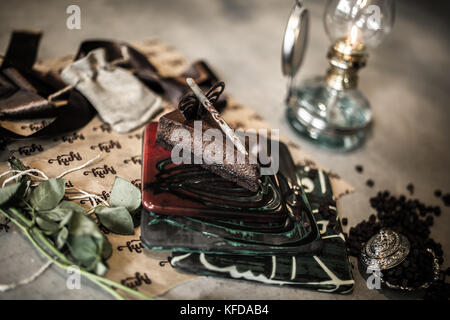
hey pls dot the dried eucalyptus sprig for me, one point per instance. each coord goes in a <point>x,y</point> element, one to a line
<point>63,231</point>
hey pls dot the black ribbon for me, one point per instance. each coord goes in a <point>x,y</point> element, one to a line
<point>24,91</point>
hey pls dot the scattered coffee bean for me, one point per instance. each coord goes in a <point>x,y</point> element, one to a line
<point>344,221</point>
<point>446,199</point>
<point>359,168</point>
<point>438,193</point>
<point>410,188</point>
<point>370,183</point>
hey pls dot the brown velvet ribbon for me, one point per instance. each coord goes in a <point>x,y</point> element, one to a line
<point>24,91</point>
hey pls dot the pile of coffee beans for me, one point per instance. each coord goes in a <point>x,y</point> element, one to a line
<point>413,219</point>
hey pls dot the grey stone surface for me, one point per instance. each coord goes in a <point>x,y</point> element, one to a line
<point>406,81</point>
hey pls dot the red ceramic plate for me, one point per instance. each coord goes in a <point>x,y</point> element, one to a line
<point>190,190</point>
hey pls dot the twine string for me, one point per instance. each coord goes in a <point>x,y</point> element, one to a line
<point>34,276</point>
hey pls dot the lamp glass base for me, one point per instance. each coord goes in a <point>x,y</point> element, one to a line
<point>332,118</point>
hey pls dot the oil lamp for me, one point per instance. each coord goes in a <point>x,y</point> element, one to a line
<point>331,110</point>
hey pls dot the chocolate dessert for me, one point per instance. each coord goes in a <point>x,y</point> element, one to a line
<point>245,173</point>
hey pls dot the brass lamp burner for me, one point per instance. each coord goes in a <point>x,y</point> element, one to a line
<point>345,61</point>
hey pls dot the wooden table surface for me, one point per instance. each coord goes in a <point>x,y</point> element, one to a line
<point>406,81</point>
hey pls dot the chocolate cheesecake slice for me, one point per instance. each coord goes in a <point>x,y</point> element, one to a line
<point>245,173</point>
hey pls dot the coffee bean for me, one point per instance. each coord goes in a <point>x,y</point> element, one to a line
<point>344,221</point>
<point>370,183</point>
<point>429,221</point>
<point>430,209</point>
<point>359,168</point>
<point>410,188</point>
<point>446,199</point>
<point>438,193</point>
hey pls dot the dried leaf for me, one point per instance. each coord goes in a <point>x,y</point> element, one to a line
<point>125,194</point>
<point>82,225</point>
<point>49,227</point>
<point>100,268</point>
<point>85,250</point>
<point>117,220</point>
<point>56,214</point>
<point>61,238</point>
<point>8,193</point>
<point>106,248</point>
<point>71,205</point>
<point>47,194</point>
<point>16,164</point>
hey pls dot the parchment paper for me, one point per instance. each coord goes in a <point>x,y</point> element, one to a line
<point>121,156</point>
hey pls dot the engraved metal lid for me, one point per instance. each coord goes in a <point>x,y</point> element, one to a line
<point>295,40</point>
<point>385,250</point>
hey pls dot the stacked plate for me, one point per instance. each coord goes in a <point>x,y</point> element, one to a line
<point>214,227</point>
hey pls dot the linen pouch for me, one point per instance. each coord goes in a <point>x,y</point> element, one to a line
<point>120,98</point>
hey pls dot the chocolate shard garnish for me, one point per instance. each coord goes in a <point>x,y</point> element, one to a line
<point>197,106</point>
<point>190,106</point>
<point>214,114</point>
